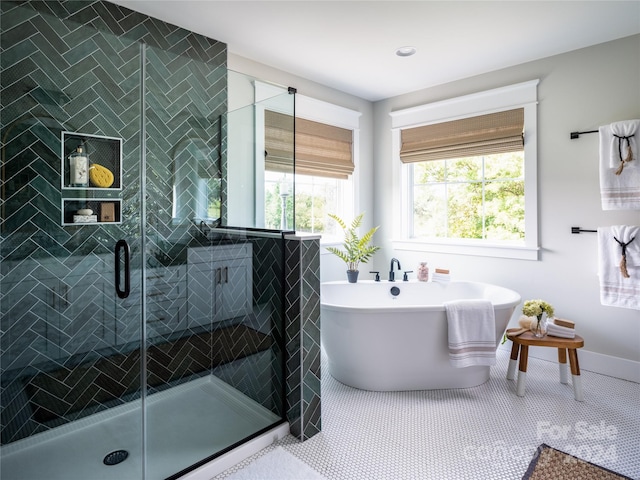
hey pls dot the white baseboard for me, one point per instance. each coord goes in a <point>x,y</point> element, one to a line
<point>237,455</point>
<point>593,362</point>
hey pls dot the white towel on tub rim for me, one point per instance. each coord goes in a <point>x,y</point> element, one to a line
<point>472,332</point>
<point>616,290</point>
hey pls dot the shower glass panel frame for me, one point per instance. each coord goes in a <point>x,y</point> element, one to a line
<point>112,325</point>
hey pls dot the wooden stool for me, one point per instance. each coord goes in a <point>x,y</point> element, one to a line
<point>522,343</point>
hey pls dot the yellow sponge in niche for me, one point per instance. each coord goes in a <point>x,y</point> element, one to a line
<point>100,176</point>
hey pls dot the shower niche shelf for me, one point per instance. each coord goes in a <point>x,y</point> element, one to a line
<point>106,152</point>
<point>104,211</point>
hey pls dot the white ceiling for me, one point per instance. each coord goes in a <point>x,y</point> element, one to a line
<point>350,45</point>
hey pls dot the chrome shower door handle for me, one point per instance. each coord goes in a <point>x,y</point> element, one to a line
<point>122,247</point>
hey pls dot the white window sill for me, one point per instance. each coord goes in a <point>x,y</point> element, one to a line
<point>469,248</point>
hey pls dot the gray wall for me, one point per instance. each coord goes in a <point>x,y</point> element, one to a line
<point>580,90</point>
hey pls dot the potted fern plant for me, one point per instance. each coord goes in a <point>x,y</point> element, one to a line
<point>355,249</point>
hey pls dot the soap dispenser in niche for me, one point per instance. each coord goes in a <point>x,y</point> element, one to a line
<point>79,168</point>
<point>423,272</point>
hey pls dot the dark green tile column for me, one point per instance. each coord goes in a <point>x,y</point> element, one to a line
<point>303,335</point>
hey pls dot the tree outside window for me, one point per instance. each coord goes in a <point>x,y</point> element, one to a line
<point>478,197</point>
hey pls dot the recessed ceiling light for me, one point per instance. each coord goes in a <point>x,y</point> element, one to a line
<point>406,51</point>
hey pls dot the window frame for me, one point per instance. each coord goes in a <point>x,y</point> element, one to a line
<point>521,95</point>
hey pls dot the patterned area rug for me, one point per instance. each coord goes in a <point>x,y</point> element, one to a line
<point>552,464</point>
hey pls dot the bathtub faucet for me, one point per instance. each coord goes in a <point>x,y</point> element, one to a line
<point>392,276</point>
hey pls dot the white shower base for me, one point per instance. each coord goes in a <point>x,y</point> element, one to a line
<point>185,424</point>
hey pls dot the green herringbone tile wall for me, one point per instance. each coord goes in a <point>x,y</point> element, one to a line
<point>81,67</point>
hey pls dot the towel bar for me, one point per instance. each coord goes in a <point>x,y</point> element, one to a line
<point>575,135</point>
<point>581,230</point>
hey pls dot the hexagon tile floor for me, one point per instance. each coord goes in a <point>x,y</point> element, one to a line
<point>484,432</point>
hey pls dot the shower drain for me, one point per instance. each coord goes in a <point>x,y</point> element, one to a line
<point>115,457</point>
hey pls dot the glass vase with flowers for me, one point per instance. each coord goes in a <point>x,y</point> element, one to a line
<point>541,311</point>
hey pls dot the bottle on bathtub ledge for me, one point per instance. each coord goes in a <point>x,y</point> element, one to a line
<point>423,272</point>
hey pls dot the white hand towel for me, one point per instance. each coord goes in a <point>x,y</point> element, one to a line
<point>560,331</point>
<point>472,333</point>
<point>623,137</point>
<point>616,289</point>
<point>618,192</point>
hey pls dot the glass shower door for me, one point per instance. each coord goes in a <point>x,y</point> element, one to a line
<point>71,397</point>
<point>213,364</point>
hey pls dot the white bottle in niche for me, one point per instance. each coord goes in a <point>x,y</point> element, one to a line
<point>78,168</point>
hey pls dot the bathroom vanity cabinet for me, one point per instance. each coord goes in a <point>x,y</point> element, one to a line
<point>77,316</point>
<point>22,343</point>
<point>88,319</point>
<point>166,300</point>
<point>166,309</point>
<point>219,283</point>
<point>83,313</point>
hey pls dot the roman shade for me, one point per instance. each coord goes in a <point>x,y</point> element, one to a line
<point>320,149</point>
<point>498,132</point>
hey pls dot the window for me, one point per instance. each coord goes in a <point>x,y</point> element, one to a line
<point>326,167</point>
<point>467,174</point>
<point>479,197</point>
<point>315,197</point>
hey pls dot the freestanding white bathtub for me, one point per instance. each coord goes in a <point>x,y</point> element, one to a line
<point>375,340</point>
